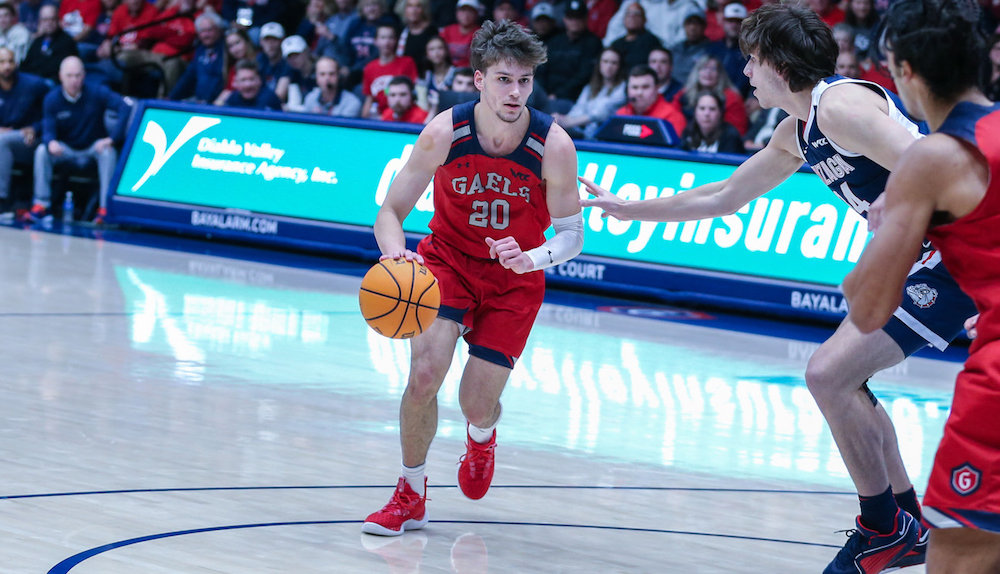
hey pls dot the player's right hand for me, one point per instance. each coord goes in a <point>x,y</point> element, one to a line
<point>603,199</point>
<point>970,326</point>
<point>404,254</point>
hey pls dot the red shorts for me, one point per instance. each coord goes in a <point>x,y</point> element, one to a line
<point>496,305</point>
<point>964,488</point>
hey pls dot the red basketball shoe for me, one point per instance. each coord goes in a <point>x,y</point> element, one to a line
<point>405,511</point>
<point>475,471</point>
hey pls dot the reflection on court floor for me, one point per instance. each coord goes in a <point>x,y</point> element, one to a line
<point>222,415</point>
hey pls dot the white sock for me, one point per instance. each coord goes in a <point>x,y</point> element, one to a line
<point>415,478</point>
<point>483,435</point>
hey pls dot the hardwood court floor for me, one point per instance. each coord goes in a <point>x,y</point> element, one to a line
<point>170,412</point>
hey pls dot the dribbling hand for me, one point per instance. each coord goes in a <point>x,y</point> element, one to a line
<point>509,253</point>
<point>603,199</point>
<point>405,254</point>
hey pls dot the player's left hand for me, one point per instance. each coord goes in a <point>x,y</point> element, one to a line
<point>875,212</point>
<point>509,253</point>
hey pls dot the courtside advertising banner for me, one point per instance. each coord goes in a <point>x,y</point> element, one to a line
<point>255,174</point>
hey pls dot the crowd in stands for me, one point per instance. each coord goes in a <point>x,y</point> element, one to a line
<point>70,69</point>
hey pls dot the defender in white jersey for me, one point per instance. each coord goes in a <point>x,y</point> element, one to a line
<point>852,134</point>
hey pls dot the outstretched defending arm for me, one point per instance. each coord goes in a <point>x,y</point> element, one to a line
<point>759,174</point>
<point>429,153</point>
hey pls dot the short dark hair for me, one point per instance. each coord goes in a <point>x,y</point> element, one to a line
<point>793,40</point>
<point>247,64</point>
<point>9,7</point>
<point>665,50</point>
<point>402,81</point>
<point>641,70</point>
<point>465,71</point>
<point>941,41</point>
<point>505,41</point>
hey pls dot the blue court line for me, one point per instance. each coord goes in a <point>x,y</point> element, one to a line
<point>368,486</point>
<point>133,313</point>
<point>69,563</point>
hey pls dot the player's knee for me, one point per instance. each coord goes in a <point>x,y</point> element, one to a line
<point>821,378</point>
<point>478,413</point>
<point>424,382</point>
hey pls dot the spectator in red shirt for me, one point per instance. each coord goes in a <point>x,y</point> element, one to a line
<point>645,100</point>
<point>599,13</point>
<point>78,17</point>
<point>380,71</point>
<point>402,103</point>
<point>458,36</point>
<point>827,10</point>
<point>173,39</point>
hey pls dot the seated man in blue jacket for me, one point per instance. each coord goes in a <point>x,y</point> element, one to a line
<point>21,98</point>
<point>249,91</point>
<point>73,132</point>
<point>202,80</point>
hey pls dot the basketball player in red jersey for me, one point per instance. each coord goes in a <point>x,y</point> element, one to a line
<point>947,186</point>
<point>502,174</point>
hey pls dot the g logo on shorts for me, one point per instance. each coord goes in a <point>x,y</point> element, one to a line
<point>965,479</point>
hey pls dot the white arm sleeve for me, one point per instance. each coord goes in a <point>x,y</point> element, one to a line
<point>566,244</point>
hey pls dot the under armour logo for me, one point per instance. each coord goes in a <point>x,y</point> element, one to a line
<point>154,136</point>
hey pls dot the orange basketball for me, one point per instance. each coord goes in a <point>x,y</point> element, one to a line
<point>399,298</point>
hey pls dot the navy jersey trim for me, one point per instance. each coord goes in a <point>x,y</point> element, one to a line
<point>528,154</point>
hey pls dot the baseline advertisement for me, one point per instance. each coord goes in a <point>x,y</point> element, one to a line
<point>318,183</point>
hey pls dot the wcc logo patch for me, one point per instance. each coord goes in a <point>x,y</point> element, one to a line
<point>965,479</point>
<point>923,296</point>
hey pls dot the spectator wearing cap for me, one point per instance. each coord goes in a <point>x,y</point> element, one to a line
<point>50,47</point>
<point>599,13</point>
<point>327,98</point>
<point>249,91</point>
<point>275,68</point>
<point>458,36</point>
<point>417,33</point>
<point>379,72</point>
<point>21,97</point>
<point>572,56</point>
<point>694,45</point>
<point>665,19</point>
<point>662,62</point>
<point>301,72</point>
<point>79,17</point>
<point>637,42</point>
<point>644,100</point>
<point>543,21</point>
<point>12,34</point>
<point>204,78</point>
<point>727,50</point>
<point>358,43</point>
<point>250,15</point>
<point>827,10</point>
<point>74,133</point>
<point>510,10</point>
<point>402,100</point>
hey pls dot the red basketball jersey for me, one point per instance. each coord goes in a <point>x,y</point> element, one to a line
<point>970,246</point>
<point>478,196</point>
